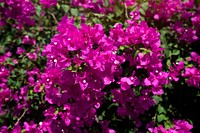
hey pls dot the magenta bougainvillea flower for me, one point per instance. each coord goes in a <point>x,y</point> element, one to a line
<point>21,11</point>
<point>48,3</point>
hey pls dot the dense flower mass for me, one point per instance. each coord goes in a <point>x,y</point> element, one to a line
<point>48,3</point>
<point>96,6</point>
<point>164,10</point>
<point>94,61</point>
<point>105,66</point>
<point>180,126</point>
<point>102,6</point>
<point>21,11</point>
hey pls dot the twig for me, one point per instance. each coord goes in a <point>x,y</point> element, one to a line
<point>21,116</point>
<point>155,118</point>
<point>125,9</point>
<point>56,21</point>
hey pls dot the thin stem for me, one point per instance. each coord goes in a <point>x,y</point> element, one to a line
<point>125,9</point>
<point>155,118</point>
<point>56,21</point>
<point>21,116</point>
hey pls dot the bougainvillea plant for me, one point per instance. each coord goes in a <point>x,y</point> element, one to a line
<point>110,66</point>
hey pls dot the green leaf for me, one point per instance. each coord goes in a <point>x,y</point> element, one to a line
<point>106,2</point>
<point>157,98</point>
<point>142,11</point>
<point>100,117</point>
<point>110,16</point>
<point>10,62</point>
<point>56,112</point>
<point>65,8</point>
<point>179,59</point>
<point>168,63</point>
<point>19,41</point>
<point>31,92</point>
<point>163,39</point>
<point>2,49</point>
<point>161,118</point>
<point>2,4</point>
<point>23,131</point>
<point>22,71</point>
<point>112,105</point>
<point>74,12</point>
<point>58,6</point>
<point>168,124</point>
<point>161,110</point>
<point>145,51</point>
<point>175,52</point>
<point>8,38</point>
<point>145,5</point>
<point>118,11</point>
<point>38,10</point>
<point>18,84</point>
<point>167,52</point>
<point>136,53</point>
<point>98,15</point>
<point>131,131</point>
<point>121,48</point>
<point>96,20</point>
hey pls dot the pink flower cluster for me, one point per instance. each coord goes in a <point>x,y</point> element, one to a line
<point>19,97</point>
<point>94,64</point>
<point>75,77</point>
<point>48,3</point>
<point>192,74</point>
<point>97,6</point>
<point>144,43</point>
<point>5,92</point>
<point>101,6</point>
<point>165,9</point>
<point>180,126</point>
<point>85,66</point>
<point>21,11</point>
